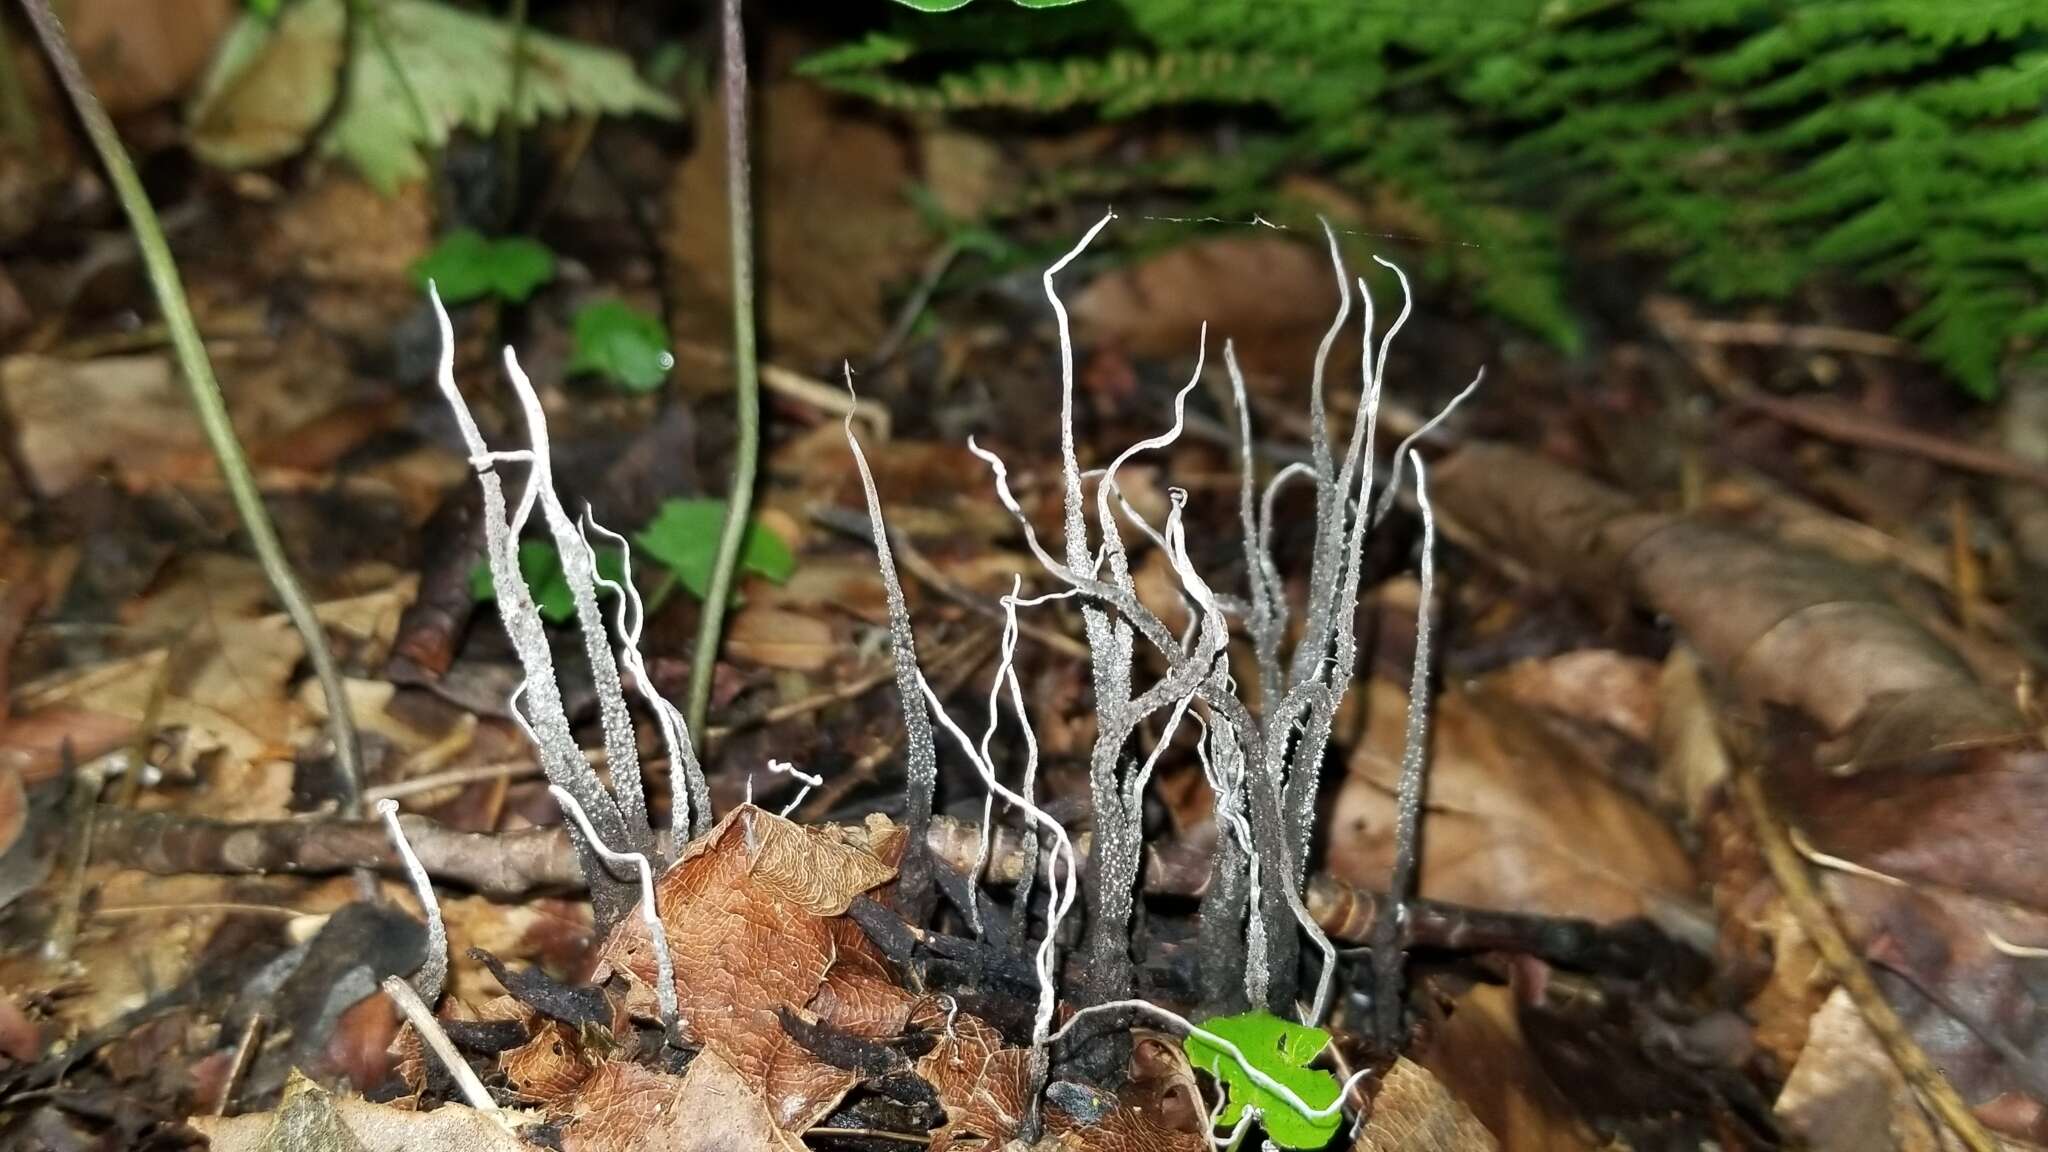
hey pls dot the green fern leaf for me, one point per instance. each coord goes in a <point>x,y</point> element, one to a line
<point>271,83</point>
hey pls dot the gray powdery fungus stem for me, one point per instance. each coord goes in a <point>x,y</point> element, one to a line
<point>1262,767</point>
<point>613,821</point>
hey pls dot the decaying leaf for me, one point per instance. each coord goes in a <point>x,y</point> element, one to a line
<point>273,80</point>
<point>1924,861</point>
<point>982,1084</point>
<point>1277,288</point>
<point>226,687</point>
<point>1516,819</point>
<point>1788,626</point>
<point>310,1119</point>
<point>139,53</point>
<point>712,1107</point>
<point>1413,1112</point>
<point>748,911</point>
<point>1481,1060</point>
<point>1123,1129</point>
<point>1593,685</point>
<point>124,413</point>
<point>844,231</point>
<point>774,638</point>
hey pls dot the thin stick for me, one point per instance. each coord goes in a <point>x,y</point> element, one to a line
<point>1818,921</point>
<point>806,390</point>
<point>81,812</point>
<point>508,138</point>
<point>746,375</point>
<point>205,391</point>
<point>1832,421</point>
<point>872,1134</point>
<point>423,1022</point>
<point>245,1055</point>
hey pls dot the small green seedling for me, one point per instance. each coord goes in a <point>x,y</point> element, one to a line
<point>683,537</point>
<point>541,565</point>
<point>467,265</point>
<point>1281,1050</point>
<point>622,344</point>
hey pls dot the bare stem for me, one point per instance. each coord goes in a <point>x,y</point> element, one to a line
<point>746,368</point>
<point>205,391</point>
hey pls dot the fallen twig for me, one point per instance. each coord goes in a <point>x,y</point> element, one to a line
<point>515,865</point>
<point>1778,333</point>
<point>1818,921</point>
<point>806,390</point>
<point>1832,421</point>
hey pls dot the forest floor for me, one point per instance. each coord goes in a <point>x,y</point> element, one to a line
<point>1721,603</point>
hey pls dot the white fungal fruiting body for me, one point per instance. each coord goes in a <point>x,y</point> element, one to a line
<point>1265,780</point>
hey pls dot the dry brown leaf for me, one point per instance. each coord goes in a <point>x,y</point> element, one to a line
<point>550,1067</point>
<point>1595,685</point>
<point>861,1003</point>
<point>1846,1095</point>
<point>831,583</point>
<point>932,488</point>
<point>140,53</point>
<point>13,807</point>
<point>1481,1061</point>
<point>75,418</point>
<point>981,1083</point>
<point>20,1040</point>
<point>1413,1112</point>
<point>1923,861</point>
<point>965,172</point>
<point>312,1118</point>
<point>1692,765</point>
<point>1282,290</point>
<point>227,692</point>
<point>1124,1129</point>
<point>774,638</point>
<point>838,233</point>
<point>1788,626</point>
<point>1515,820</point>
<point>748,912</point>
<point>710,1108</point>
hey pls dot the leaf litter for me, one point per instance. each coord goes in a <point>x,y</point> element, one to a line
<point>1910,778</point>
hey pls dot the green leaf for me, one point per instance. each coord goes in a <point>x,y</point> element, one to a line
<point>419,70</point>
<point>878,50</point>
<point>622,344</point>
<point>1281,1050</point>
<point>263,8</point>
<point>466,265</point>
<point>541,567</point>
<point>950,5</point>
<point>683,537</point>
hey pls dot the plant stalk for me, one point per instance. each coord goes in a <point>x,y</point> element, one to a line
<point>509,131</point>
<point>205,392</point>
<point>746,368</point>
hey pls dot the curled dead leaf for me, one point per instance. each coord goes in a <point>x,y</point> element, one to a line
<point>1788,626</point>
